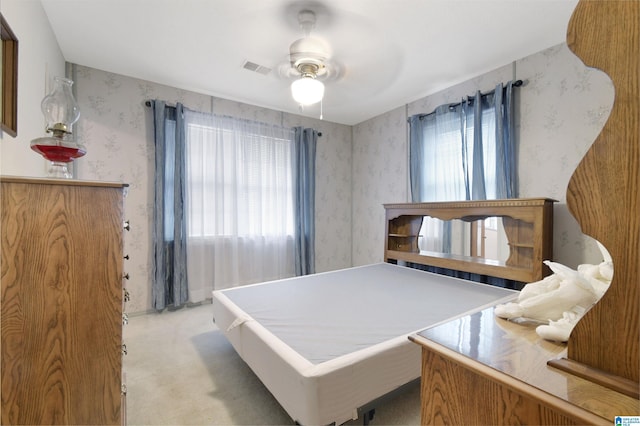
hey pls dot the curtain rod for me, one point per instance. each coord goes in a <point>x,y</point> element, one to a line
<point>516,83</point>
<point>148,104</point>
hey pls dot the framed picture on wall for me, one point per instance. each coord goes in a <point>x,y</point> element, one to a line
<point>9,73</point>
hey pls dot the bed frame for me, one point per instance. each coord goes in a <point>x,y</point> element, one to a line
<point>351,385</point>
<point>329,345</point>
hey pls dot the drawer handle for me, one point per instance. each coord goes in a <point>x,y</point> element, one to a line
<point>125,319</point>
<point>124,349</point>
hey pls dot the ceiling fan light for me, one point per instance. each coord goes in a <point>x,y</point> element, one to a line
<point>307,90</point>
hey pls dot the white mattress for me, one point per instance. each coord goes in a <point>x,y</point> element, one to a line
<point>326,344</point>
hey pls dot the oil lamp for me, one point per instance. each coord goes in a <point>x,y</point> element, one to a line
<point>61,111</point>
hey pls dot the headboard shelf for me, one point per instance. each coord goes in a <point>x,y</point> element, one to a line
<point>527,224</point>
<point>469,264</point>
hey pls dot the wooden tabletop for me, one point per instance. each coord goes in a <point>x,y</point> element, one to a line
<point>513,353</point>
<point>52,181</point>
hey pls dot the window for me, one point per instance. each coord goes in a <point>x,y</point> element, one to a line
<point>465,151</point>
<point>239,202</point>
<point>224,203</point>
<point>239,182</point>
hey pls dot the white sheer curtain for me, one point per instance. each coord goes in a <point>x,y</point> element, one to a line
<point>441,176</point>
<point>440,171</point>
<point>464,151</point>
<point>239,203</point>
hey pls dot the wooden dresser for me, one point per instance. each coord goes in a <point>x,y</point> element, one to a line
<point>62,302</point>
<point>483,370</point>
<point>479,369</point>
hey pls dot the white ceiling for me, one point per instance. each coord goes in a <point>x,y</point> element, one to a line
<point>390,52</point>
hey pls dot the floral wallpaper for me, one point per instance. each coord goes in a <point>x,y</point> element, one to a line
<point>560,110</point>
<point>116,129</point>
<point>563,108</point>
<point>380,175</point>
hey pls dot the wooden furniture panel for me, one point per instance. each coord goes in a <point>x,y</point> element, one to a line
<point>480,401</point>
<point>61,281</point>
<point>604,191</point>
<point>508,361</point>
<point>528,224</point>
<point>594,377</point>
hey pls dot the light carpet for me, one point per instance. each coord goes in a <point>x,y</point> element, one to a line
<point>181,370</point>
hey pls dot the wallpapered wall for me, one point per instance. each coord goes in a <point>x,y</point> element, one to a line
<point>560,110</point>
<point>39,58</point>
<point>116,130</point>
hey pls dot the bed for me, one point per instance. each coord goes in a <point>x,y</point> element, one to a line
<point>329,345</point>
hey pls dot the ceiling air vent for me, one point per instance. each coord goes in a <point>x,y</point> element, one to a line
<point>252,66</point>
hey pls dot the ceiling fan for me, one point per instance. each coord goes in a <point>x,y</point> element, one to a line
<point>309,63</point>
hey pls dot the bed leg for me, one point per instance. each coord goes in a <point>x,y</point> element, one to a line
<point>368,416</point>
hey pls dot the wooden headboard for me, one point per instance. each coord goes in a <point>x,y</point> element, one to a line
<point>527,223</point>
<point>604,194</point>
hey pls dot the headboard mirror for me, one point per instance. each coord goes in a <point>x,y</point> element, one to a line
<point>500,238</point>
<point>484,237</point>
